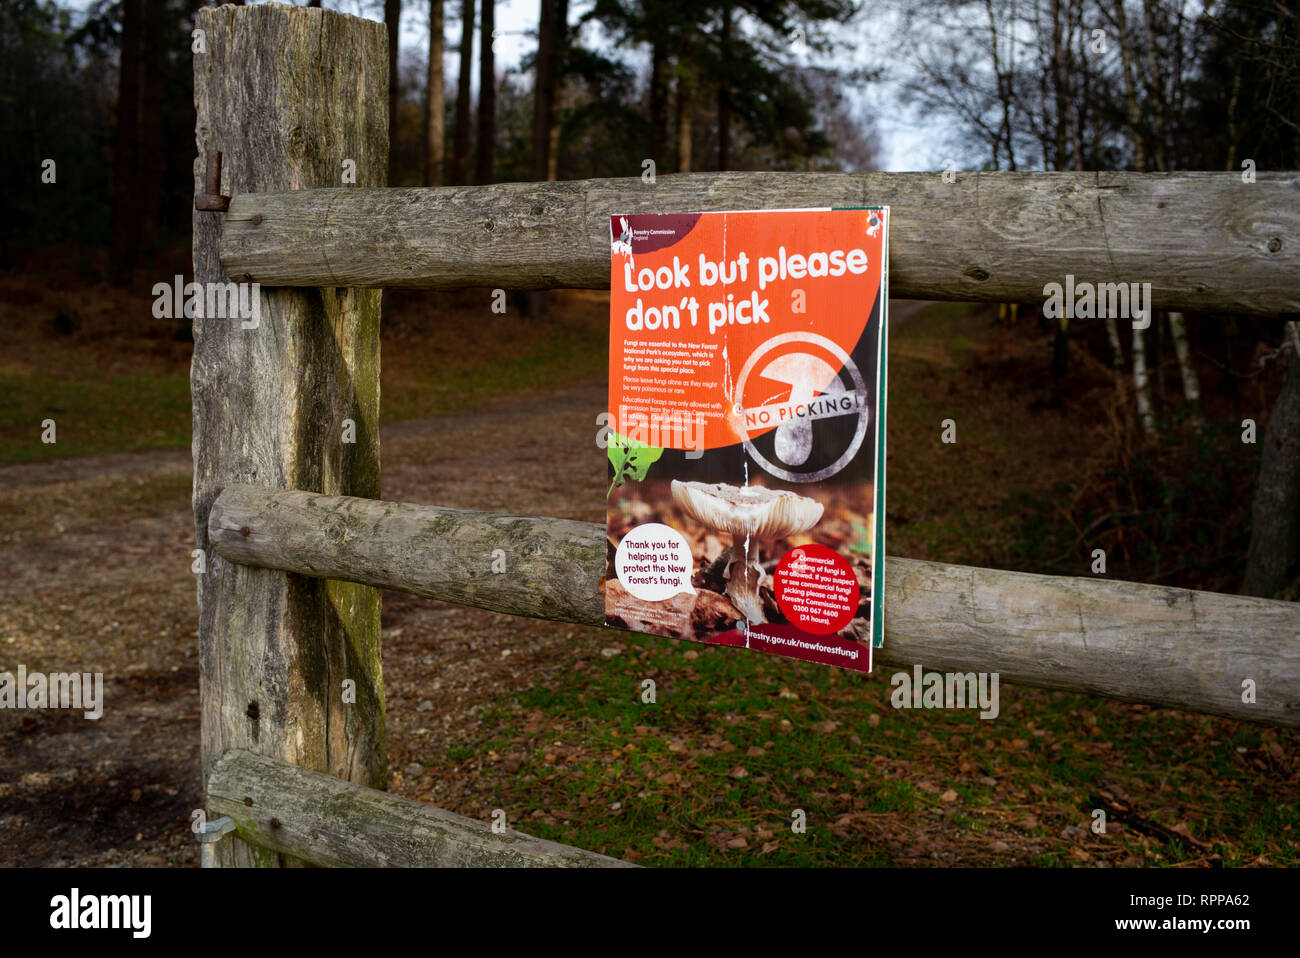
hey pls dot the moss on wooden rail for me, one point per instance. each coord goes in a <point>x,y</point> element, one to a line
<point>324,820</point>
<point>1138,643</point>
<point>1204,241</point>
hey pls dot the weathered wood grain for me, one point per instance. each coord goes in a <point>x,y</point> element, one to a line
<point>326,821</point>
<point>1204,241</point>
<point>1138,643</point>
<point>449,554</point>
<point>287,94</point>
<point>1156,645</point>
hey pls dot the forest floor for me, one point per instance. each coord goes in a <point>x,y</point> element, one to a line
<point>545,720</point>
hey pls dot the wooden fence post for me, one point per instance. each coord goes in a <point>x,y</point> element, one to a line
<point>293,98</point>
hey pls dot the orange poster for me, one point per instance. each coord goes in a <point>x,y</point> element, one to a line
<point>746,429</point>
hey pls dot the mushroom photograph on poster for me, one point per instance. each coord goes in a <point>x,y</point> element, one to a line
<point>745,431</point>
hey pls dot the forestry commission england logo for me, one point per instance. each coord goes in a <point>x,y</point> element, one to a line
<point>812,389</point>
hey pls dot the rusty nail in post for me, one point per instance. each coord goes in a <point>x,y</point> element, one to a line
<point>211,199</point>
<point>245,532</point>
<point>212,179</point>
<point>257,219</point>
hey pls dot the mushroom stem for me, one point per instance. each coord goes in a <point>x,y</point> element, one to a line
<point>744,575</point>
<point>750,514</point>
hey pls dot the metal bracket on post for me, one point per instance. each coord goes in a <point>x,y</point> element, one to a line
<point>208,835</point>
<point>210,199</point>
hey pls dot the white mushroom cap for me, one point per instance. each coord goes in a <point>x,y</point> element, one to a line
<point>747,510</point>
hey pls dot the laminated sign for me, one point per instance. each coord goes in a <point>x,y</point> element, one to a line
<point>746,435</point>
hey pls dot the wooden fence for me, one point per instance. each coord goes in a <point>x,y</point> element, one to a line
<point>299,544</point>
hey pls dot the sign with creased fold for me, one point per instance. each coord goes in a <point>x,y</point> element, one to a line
<point>745,432</point>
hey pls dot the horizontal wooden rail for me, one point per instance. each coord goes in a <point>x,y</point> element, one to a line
<point>326,821</point>
<point>552,565</point>
<point>1204,241</point>
<point>1138,643</point>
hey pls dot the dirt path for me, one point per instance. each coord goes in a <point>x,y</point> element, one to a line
<point>146,465</point>
<point>95,577</point>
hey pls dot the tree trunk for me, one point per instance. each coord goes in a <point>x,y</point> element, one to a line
<point>1156,357</point>
<point>393,20</point>
<point>126,146</point>
<point>1005,89</point>
<point>1146,414</point>
<point>1060,89</point>
<point>460,143</point>
<point>552,164</point>
<point>1044,133</point>
<point>1116,350</point>
<point>658,101</point>
<point>1155,91</point>
<point>1074,18</point>
<point>1191,383</point>
<point>1134,111</point>
<point>543,114</point>
<point>724,92</point>
<point>152,158</point>
<point>485,149</point>
<point>435,104</point>
<point>558,73</point>
<point>1273,563</point>
<point>460,139</point>
<point>543,90</point>
<point>685,81</point>
<point>1233,136</point>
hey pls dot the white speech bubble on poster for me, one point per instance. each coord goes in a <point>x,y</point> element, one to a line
<point>654,562</point>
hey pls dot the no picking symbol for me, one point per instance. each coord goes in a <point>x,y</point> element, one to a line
<point>799,371</point>
<point>806,375</point>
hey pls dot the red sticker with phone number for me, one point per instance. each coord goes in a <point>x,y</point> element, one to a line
<point>816,589</point>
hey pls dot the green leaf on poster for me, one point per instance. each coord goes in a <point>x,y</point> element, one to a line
<point>630,459</point>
